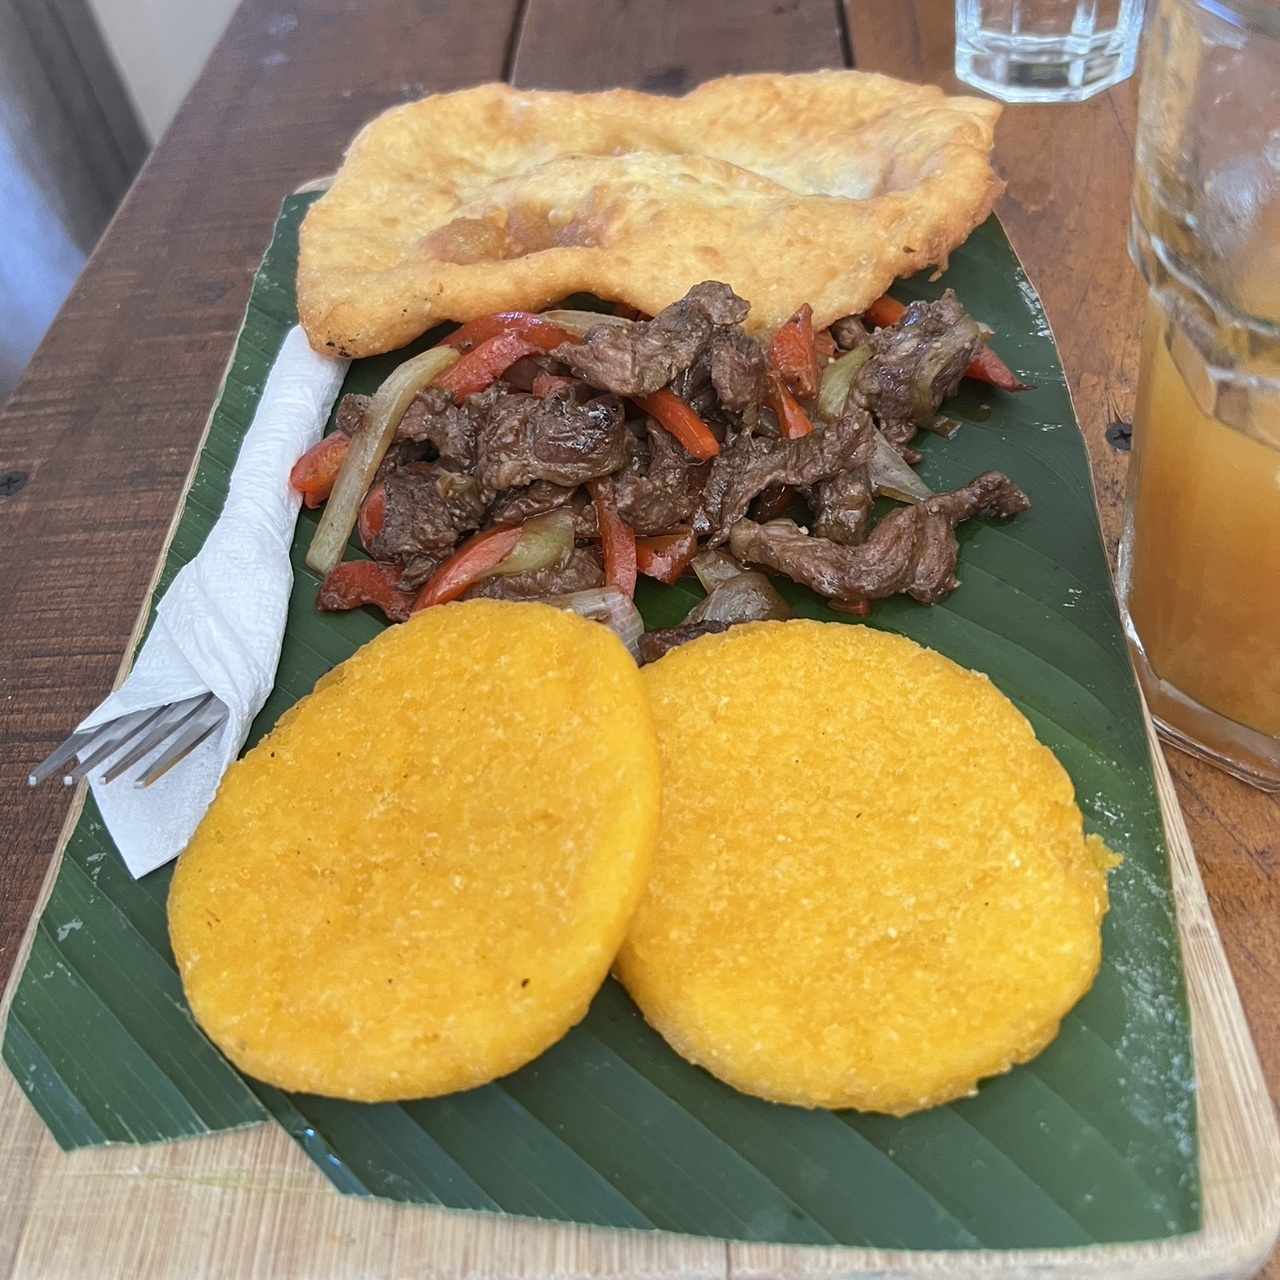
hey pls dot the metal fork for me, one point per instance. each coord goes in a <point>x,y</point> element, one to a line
<point>143,744</point>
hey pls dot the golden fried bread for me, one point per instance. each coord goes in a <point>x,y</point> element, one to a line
<point>871,887</point>
<point>818,188</point>
<point>419,879</point>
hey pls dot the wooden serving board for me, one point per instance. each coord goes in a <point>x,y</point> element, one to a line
<point>250,1203</point>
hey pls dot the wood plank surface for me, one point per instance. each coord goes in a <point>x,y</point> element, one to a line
<point>102,429</point>
<point>670,47</point>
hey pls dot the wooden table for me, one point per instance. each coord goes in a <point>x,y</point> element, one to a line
<point>99,435</point>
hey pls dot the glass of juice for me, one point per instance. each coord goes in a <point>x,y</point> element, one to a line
<point>1199,575</point>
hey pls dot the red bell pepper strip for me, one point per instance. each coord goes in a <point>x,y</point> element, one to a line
<point>480,553</point>
<point>314,473</point>
<point>617,538</point>
<point>666,556</point>
<point>357,582</point>
<point>678,418</point>
<point>373,512</point>
<point>855,608</point>
<point>886,311</point>
<point>792,354</point>
<point>545,383</point>
<point>494,356</point>
<point>793,422</point>
<point>986,366</point>
<point>824,345</point>
<point>526,323</point>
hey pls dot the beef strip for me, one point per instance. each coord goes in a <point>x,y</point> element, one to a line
<point>581,572</point>
<point>428,509</point>
<point>656,644</point>
<point>715,393</point>
<point>350,418</point>
<point>694,386</point>
<point>522,439</point>
<point>586,527</point>
<point>400,453</point>
<point>752,463</point>
<point>351,411</point>
<point>517,505</point>
<point>849,332</point>
<point>433,417</point>
<point>431,428</point>
<point>416,571</point>
<point>915,365</point>
<point>737,369</point>
<point>661,486</point>
<point>522,373</point>
<point>913,549</point>
<point>842,506</point>
<point>776,501</point>
<point>900,434</point>
<point>636,359</point>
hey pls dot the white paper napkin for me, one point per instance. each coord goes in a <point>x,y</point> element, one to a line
<point>220,625</point>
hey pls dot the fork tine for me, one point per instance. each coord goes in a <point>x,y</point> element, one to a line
<point>64,751</point>
<point>172,718</point>
<point>116,735</point>
<point>93,740</point>
<point>198,728</point>
<point>156,731</point>
<point>171,731</point>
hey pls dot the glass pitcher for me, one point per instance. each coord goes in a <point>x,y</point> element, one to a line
<point>1199,574</point>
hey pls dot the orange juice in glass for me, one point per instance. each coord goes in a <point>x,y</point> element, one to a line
<point>1200,554</point>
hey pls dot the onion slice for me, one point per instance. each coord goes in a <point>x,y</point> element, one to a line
<point>837,378</point>
<point>747,597</point>
<point>715,567</point>
<point>578,322</point>
<point>368,447</point>
<point>892,477</point>
<point>609,606</point>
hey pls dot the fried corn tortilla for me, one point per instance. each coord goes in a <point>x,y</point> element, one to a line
<point>818,188</point>
<point>419,879</point>
<point>871,887</point>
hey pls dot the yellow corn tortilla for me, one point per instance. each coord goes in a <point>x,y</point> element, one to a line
<point>419,879</point>
<point>871,887</point>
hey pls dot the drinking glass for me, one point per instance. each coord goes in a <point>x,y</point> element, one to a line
<point>1199,576</point>
<point>1046,50</point>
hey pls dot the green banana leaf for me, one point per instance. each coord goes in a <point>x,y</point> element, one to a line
<point>1094,1141</point>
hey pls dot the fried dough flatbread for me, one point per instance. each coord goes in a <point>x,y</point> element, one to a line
<point>871,887</point>
<point>419,879</point>
<point>818,188</point>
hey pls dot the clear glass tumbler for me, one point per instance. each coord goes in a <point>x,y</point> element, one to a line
<point>1046,50</point>
<point>1199,576</point>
